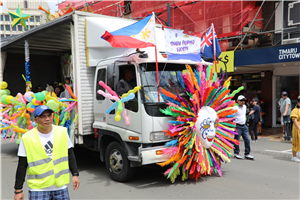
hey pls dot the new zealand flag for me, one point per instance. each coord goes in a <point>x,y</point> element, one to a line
<point>206,45</point>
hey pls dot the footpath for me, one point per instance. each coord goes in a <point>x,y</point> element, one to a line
<point>274,134</point>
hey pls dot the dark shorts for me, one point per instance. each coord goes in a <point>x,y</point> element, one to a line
<point>49,195</point>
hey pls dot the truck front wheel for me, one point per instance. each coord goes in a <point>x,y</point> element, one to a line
<point>117,164</point>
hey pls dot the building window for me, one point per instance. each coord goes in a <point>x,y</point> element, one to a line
<point>26,29</point>
<point>20,28</point>
<point>1,17</point>
<point>2,35</point>
<point>31,19</point>
<point>7,18</point>
<point>11,18</point>
<point>25,4</point>
<point>14,28</point>
<point>37,18</point>
<point>7,27</point>
<point>2,27</point>
<point>31,27</point>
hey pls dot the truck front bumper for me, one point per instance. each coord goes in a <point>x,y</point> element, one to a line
<point>149,155</point>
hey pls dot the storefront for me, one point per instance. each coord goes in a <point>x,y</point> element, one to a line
<point>278,69</point>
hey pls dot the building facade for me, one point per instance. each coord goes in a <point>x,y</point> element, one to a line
<point>37,18</point>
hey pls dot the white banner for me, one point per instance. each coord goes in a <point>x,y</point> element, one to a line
<point>182,46</point>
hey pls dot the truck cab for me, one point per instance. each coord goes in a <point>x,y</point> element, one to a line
<point>123,147</point>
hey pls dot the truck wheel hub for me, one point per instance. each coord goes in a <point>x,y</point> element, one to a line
<point>116,161</point>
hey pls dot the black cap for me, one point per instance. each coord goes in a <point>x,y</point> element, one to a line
<point>68,77</point>
<point>255,99</point>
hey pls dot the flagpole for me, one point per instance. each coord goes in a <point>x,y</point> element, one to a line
<point>214,46</point>
<point>157,76</point>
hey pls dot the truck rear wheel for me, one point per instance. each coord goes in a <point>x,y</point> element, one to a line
<point>117,164</point>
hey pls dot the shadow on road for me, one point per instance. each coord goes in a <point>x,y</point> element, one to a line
<point>9,149</point>
<point>145,177</point>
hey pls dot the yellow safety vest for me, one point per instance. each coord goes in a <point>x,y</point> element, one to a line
<point>42,171</point>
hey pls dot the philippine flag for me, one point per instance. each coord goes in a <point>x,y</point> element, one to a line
<point>138,35</point>
<point>206,45</point>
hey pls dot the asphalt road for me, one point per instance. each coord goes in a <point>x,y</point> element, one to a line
<point>271,176</point>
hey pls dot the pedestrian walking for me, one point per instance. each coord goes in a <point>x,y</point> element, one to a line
<point>46,154</point>
<point>285,110</point>
<point>295,116</point>
<point>253,126</point>
<point>260,122</point>
<point>242,129</point>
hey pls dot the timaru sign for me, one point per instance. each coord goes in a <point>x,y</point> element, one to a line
<point>289,53</point>
<point>277,54</point>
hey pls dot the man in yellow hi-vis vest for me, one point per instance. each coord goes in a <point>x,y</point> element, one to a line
<point>45,152</point>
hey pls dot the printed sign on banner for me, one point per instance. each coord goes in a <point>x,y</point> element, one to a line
<point>227,62</point>
<point>182,46</point>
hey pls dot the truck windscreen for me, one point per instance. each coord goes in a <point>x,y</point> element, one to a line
<point>168,80</point>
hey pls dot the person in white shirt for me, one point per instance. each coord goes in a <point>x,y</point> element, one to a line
<point>242,129</point>
<point>50,139</point>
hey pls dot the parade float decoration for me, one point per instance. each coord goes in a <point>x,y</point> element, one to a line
<point>119,101</point>
<point>56,15</point>
<point>203,132</point>
<point>19,17</point>
<point>27,67</point>
<point>17,112</point>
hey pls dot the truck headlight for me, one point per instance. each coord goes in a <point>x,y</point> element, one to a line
<point>156,136</point>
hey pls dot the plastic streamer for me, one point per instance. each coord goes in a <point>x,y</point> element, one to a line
<point>202,89</point>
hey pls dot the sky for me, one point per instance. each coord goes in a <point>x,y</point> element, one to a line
<point>52,4</point>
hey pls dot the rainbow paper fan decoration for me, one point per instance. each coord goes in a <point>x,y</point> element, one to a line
<point>203,132</point>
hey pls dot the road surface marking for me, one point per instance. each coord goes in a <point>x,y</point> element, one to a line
<point>285,151</point>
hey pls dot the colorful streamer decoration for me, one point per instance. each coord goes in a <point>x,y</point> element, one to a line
<point>203,132</point>
<point>19,17</point>
<point>119,104</point>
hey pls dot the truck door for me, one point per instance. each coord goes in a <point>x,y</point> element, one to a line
<point>100,101</point>
<point>132,107</point>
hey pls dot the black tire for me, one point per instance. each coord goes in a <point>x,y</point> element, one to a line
<point>117,164</point>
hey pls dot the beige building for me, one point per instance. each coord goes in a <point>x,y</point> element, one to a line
<point>29,7</point>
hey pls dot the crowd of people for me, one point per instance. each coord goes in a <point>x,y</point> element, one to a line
<point>249,119</point>
<point>58,88</point>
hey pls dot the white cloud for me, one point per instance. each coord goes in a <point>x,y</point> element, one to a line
<point>53,4</point>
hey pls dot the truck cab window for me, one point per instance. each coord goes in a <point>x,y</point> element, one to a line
<point>101,76</point>
<point>127,81</point>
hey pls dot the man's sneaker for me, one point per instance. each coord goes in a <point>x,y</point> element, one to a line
<point>249,157</point>
<point>256,140</point>
<point>295,159</point>
<point>238,156</point>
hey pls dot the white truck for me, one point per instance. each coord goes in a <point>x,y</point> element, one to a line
<point>122,147</point>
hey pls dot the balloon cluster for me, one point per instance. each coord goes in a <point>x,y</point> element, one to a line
<point>56,15</point>
<point>17,112</point>
<point>119,104</point>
